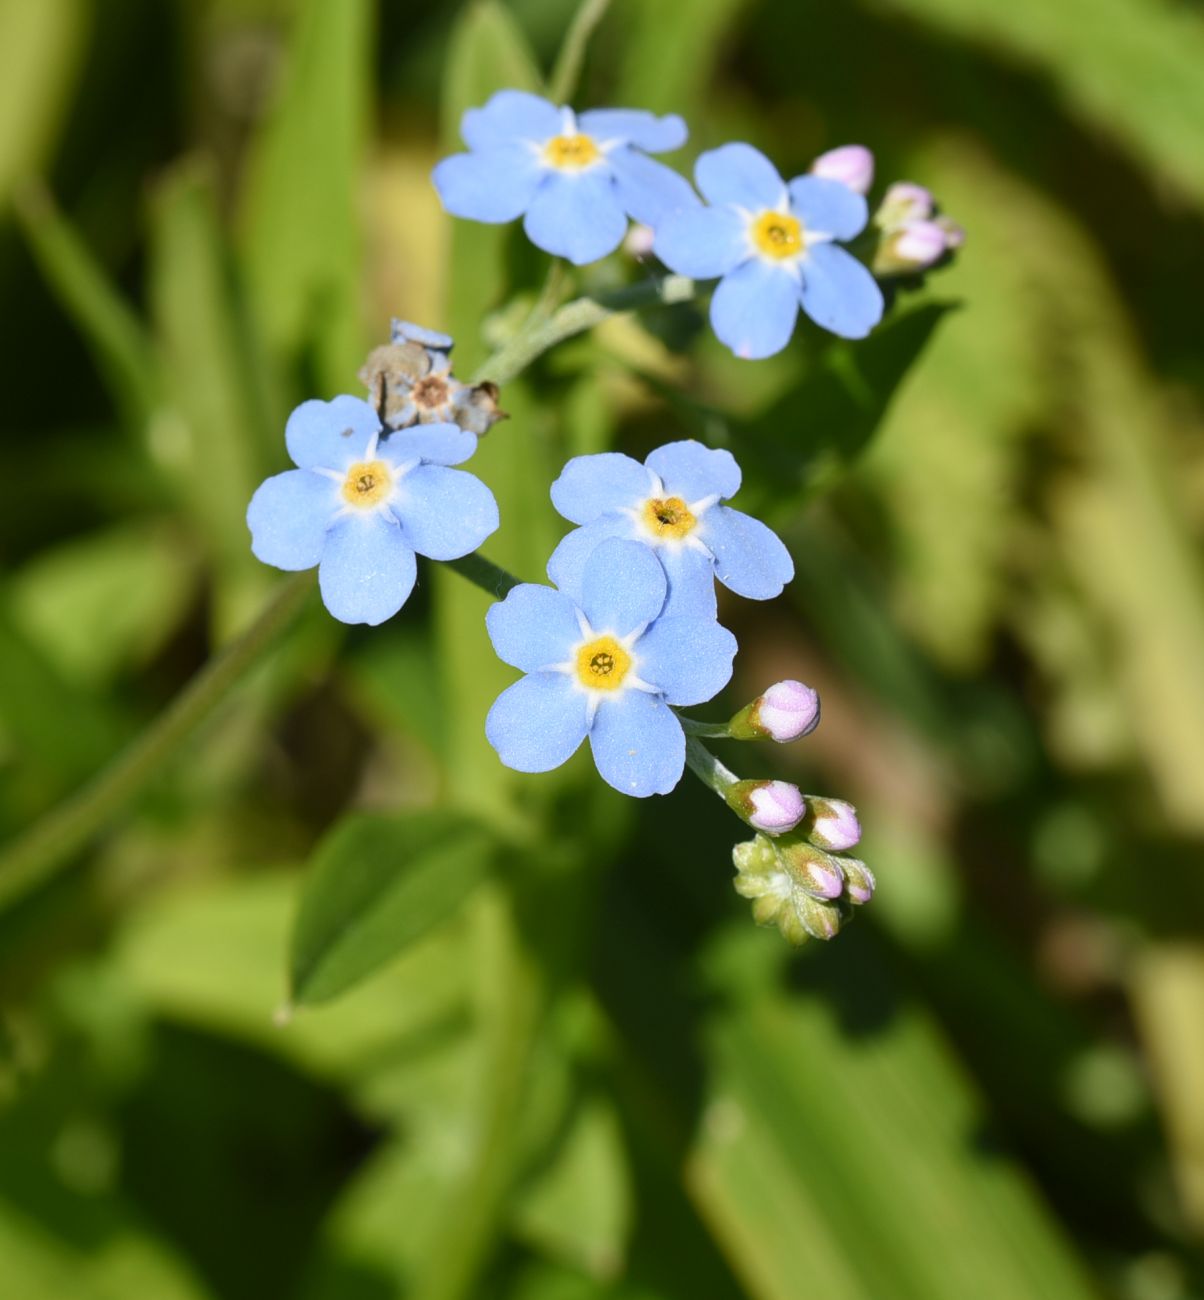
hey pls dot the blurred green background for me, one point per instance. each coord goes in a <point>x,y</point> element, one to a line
<point>595,1077</point>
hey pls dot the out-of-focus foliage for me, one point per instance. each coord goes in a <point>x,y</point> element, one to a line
<point>547,1056</point>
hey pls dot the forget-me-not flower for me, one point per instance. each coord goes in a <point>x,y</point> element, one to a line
<point>574,180</point>
<point>672,504</point>
<point>774,246</point>
<point>606,664</point>
<point>359,506</point>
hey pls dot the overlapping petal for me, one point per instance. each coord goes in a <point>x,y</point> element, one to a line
<point>538,723</point>
<point>754,308</point>
<point>648,190</point>
<point>702,242</point>
<point>749,557</point>
<point>436,444</point>
<point>638,744</point>
<point>691,575</point>
<point>839,293</point>
<point>591,486</point>
<point>738,173</point>
<point>288,518</point>
<point>576,215</point>
<point>444,513</point>
<point>566,567</point>
<point>622,587</point>
<point>534,627</point>
<point>330,435</point>
<point>689,659</point>
<point>367,569</point>
<point>634,126</point>
<point>510,115</point>
<point>493,186</point>
<point>828,206</point>
<point>693,471</point>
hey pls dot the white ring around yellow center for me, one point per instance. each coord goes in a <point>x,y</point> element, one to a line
<point>602,663</point>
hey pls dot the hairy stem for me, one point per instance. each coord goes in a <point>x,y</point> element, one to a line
<point>707,768</point>
<point>51,841</point>
<point>538,335</point>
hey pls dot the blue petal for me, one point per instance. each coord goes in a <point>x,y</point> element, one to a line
<point>702,242</point>
<point>288,518</point>
<point>623,587</point>
<point>533,628</point>
<point>689,659</point>
<point>367,569</point>
<point>590,486</point>
<point>537,724</point>
<point>754,307</point>
<point>330,435</point>
<point>405,331</point>
<point>566,568</point>
<point>577,216</point>
<point>740,174</point>
<point>634,126</point>
<point>749,557</point>
<point>508,116</point>
<point>436,444</point>
<point>828,207</point>
<point>494,186</point>
<point>839,293</point>
<point>638,744</point>
<point>649,191</point>
<point>444,513</point>
<point>691,471</point>
<point>691,575</point>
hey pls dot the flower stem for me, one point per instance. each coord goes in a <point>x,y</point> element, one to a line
<point>567,72</point>
<point>538,335</point>
<point>488,576</point>
<point>706,730</point>
<point>50,842</point>
<point>707,768</point>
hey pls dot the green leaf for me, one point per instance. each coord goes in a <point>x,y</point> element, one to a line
<point>1132,69</point>
<point>119,341</point>
<point>376,885</point>
<point>301,246</point>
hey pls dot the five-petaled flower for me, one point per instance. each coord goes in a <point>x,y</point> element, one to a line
<point>606,663</point>
<point>359,506</point>
<point>574,180</point>
<point>773,245</point>
<point>672,504</point>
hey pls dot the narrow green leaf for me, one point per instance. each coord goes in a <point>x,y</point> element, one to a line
<point>122,348</point>
<point>301,245</point>
<point>376,885</point>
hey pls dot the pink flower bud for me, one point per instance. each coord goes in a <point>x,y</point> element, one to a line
<point>638,241</point>
<point>852,164</point>
<point>859,880</point>
<point>813,870</point>
<point>919,244</point>
<point>832,824</point>
<point>787,711</point>
<point>903,202</point>
<point>776,807</point>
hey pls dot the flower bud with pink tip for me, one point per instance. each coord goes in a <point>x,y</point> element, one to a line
<point>852,164</point>
<point>785,712</point>
<point>831,824</point>
<point>774,807</point>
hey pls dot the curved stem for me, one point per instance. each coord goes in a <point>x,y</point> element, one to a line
<point>707,768</point>
<point>567,72</point>
<point>705,730</point>
<point>538,335</point>
<point>488,576</point>
<point>51,841</point>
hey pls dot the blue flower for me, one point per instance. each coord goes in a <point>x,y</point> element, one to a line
<point>671,503</point>
<point>774,246</point>
<point>359,506</point>
<point>606,664</point>
<point>574,180</point>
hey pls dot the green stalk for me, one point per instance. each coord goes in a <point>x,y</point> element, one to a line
<point>707,768</point>
<point>67,828</point>
<point>567,72</point>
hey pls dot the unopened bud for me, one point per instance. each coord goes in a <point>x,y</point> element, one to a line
<point>786,711</point>
<point>859,882</point>
<point>814,871</point>
<point>955,236</point>
<point>851,164</point>
<point>820,920</point>
<point>903,202</point>
<point>913,247</point>
<point>770,806</point>
<point>831,824</point>
<point>638,241</point>
<point>755,857</point>
<point>476,409</point>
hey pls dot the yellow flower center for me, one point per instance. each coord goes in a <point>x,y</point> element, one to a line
<point>571,152</point>
<point>778,234</point>
<point>668,517</point>
<point>602,664</point>
<point>367,483</point>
